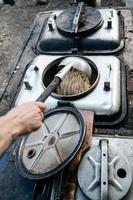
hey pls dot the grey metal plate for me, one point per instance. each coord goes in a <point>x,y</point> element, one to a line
<point>101,101</point>
<point>48,149</point>
<point>91,173</point>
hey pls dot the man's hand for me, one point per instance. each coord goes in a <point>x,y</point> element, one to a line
<point>26,118</point>
<point>20,120</point>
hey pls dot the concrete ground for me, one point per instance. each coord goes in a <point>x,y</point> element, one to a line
<point>15,22</point>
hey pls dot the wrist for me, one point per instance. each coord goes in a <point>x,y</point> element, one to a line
<point>5,135</point>
<point>8,128</point>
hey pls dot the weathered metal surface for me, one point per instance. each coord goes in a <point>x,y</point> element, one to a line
<point>70,20</point>
<point>12,186</point>
<point>119,169</point>
<point>107,37</point>
<point>49,149</point>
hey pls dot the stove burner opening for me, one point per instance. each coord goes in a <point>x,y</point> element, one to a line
<point>74,82</point>
<point>52,69</point>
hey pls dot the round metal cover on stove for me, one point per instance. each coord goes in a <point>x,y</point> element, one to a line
<point>79,20</point>
<point>119,174</point>
<point>47,150</point>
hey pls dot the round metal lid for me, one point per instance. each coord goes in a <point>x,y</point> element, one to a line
<point>79,20</point>
<point>49,149</point>
<point>119,171</point>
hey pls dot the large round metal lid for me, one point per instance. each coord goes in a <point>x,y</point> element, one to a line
<point>79,20</point>
<point>90,171</point>
<point>49,149</point>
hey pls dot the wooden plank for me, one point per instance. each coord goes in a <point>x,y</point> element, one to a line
<point>70,183</point>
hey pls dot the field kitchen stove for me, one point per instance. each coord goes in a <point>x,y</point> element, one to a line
<point>105,170</point>
<point>105,96</point>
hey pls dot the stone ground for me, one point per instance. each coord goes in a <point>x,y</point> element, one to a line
<point>15,22</point>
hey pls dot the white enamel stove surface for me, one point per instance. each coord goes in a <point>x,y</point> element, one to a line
<point>106,39</point>
<point>101,101</point>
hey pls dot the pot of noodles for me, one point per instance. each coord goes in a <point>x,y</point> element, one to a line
<point>75,84</point>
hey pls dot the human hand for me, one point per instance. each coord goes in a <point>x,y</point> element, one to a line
<point>26,118</point>
<point>20,120</point>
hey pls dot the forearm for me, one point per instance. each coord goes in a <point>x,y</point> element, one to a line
<point>19,121</point>
<point>4,144</point>
<point>7,133</point>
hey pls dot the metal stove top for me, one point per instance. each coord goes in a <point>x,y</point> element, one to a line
<point>82,29</point>
<point>104,100</point>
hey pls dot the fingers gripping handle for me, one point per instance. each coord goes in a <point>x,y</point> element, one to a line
<point>51,87</point>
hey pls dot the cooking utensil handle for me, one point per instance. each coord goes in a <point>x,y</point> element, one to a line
<point>51,87</point>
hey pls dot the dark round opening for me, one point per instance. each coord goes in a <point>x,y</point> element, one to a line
<point>51,141</point>
<point>104,183</point>
<point>121,173</point>
<point>31,153</point>
<point>51,70</point>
